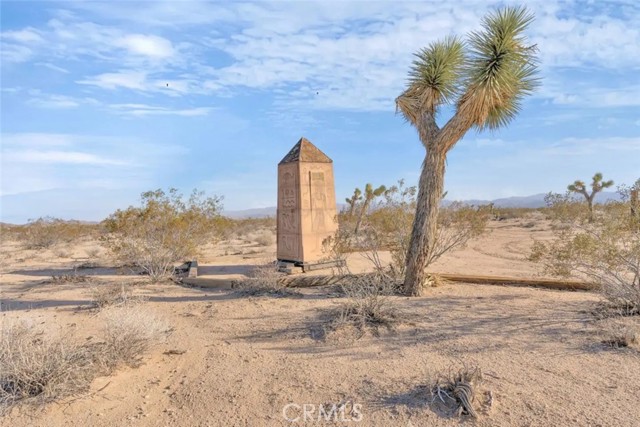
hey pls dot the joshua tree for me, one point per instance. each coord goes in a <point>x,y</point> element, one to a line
<point>597,185</point>
<point>353,200</point>
<point>369,195</point>
<point>485,79</point>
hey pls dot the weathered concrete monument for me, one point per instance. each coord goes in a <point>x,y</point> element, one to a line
<point>306,206</point>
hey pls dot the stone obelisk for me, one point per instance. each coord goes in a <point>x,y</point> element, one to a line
<point>306,205</point>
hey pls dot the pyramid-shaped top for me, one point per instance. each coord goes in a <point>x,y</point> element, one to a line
<point>305,151</point>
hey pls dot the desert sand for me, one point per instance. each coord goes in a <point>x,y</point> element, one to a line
<point>238,361</point>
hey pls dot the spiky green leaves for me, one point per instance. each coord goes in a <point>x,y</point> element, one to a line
<point>487,77</point>
<point>500,70</point>
<point>434,79</point>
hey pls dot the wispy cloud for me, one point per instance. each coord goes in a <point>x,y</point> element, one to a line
<point>60,157</point>
<point>42,161</point>
<point>150,110</point>
<point>53,101</point>
<point>339,57</point>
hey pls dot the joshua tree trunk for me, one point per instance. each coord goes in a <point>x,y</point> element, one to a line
<point>430,191</point>
<point>590,205</point>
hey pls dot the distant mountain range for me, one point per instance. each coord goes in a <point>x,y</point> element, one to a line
<point>533,201</point>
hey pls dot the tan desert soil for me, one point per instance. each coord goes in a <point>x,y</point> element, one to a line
<point>246,358</point>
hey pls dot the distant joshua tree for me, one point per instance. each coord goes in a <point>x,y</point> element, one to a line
<point>597,185</point>
<point>353,200</point>
<point>369,195</point>
<point>485,80</point>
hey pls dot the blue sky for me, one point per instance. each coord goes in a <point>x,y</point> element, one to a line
<point>104,100</point>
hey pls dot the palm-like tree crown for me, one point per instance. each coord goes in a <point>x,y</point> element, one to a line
<point>486,77</point>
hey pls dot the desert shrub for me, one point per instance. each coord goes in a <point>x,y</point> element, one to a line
<point>62,253</point>
<point>34,366</point>
<point>264,238</point>
<point>38,368</point>
<point>619,334</point>
<point>604,249</point>
<point>243,227</point>
<point>388,224</point>
<point>92,252</point>
<point>503,213</point>
<point>564,209</point>
<point>368,307</point>
<point>129,332</point>
<point>455,393</point>
<point>164,230</point>
<point>113,294</point>
<point>46,232</point>
<point>264,280</point>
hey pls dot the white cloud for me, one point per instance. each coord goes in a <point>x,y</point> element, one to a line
<point>147,45</point>
<point>150,110</point>
<point>53,101</point>
<point>341,56</point>
<point>583,146</point>
<point>41,161</point>
<point>136,80</point>
<point>54,67</point>
<point>17,140</point>
<point>598,97</point>
<point>15,53</point>
<point>59,157</point>
<point>26,35</point>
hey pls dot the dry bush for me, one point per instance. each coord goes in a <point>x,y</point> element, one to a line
<point>163,231</point>
<point>455,394</point>
<point>264,280</point>
<point>129,332</point>
<point>113,294</point>
<point>92,252</point>
<point>69,278</point>
<point>240,228</point>
<point>45,232</point>
<point>62,253</point>
<point>619,334</point>
<point>40,368</point>
<point>264,238</point>
<point>368,308</point>
<point>387,225</point>
<point>504,213</point>
<point>605,250</point>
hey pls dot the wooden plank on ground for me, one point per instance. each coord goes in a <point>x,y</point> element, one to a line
<point>304,281</point>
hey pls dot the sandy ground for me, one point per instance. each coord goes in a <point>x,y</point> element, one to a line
<point>246,359</point>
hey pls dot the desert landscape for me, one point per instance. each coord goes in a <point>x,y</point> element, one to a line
<point>456,243</point>
<point>228,358</point>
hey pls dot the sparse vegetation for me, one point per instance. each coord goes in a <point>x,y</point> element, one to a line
<point>46,232</point>
<point>34,366</point>
<point>597,185</point>
<point>113,294</point>
<point>164,230</point>
<point>37,368</point>
<point>129,332</point>
<point>264,281</point>
<point>619,334</point>
<point>604,250</point>
<point>368,307</point>
<point>264,238</point>
<point>388,224</point>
